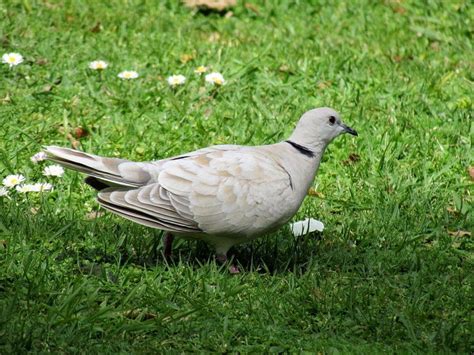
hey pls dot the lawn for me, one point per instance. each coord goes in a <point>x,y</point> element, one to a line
<point>393,270</point>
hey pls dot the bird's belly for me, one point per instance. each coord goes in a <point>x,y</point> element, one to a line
<point>225,240</point>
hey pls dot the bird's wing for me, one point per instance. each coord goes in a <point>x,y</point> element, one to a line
<point>151,205</point>
<point>103,172</point>
<point>231,192</point>
<point>238,191</point>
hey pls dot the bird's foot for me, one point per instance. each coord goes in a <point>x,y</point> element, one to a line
<point>222,259</point>
<point>233,269</point>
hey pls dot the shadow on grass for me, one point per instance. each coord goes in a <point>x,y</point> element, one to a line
<point>273,254</point>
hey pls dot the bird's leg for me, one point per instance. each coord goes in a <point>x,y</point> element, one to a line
<point>168,243</point>
<point>222,259</point>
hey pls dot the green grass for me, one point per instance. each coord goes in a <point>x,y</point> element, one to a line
<point>385,276</point>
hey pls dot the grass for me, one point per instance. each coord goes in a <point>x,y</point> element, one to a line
<point>386,275</point>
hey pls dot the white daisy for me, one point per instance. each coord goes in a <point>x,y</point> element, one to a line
<point>175,80</point>
<point>200,69</point>
<point>3,191</point>
<point>98,65</point>
<point>24,188</point>
<point>53,170</point>
<point>306,226</point>
<point>41,187</point>
<point>12,59</point>
<point>215,79</point>
<point>13,180</point>
<point>40,156</point>
<point>128,74</point>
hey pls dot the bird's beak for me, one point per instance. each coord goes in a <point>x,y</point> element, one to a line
<point>349,130</point>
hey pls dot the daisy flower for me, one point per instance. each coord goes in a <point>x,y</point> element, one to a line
<point>53,170</point>
<point>41,187</point>
<point>215,79</point>
<point>128,74</point>
<point>40,156</point>
<point>175,80</point>
<point>98,65</point>
<point>13,180</point>
<point>12,59</point>
<point>3,191</point>
<point>24,188</point>
<point>200,69</point>
<point>306,226</point>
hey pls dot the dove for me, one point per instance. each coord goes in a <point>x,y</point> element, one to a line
<point>224,194</point>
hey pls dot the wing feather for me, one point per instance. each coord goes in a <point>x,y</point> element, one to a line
<point>217,192</point>
<point>126,202</point>
<point>230,191</point>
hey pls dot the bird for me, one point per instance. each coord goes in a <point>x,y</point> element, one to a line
<point>224,194</point>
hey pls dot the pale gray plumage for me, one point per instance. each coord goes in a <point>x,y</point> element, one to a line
<point>224,194</point>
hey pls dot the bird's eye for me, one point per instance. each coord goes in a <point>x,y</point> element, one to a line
<point>332,120</point>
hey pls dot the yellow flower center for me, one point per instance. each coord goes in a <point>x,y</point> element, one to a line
<point>12,59</point>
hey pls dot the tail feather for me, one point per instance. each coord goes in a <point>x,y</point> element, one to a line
<point>117,180</point>
<point>90,161</point>
<point>96,183</point>
<point>122,208</point>
<point>105,170</point>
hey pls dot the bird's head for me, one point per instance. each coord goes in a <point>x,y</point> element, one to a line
<point>318,127</point>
